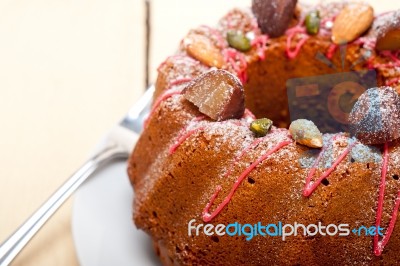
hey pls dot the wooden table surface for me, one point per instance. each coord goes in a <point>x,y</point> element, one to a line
<point>68,71</point>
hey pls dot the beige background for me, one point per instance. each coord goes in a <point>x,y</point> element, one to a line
<point>68,71</point>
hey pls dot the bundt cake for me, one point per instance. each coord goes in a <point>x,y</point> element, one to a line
<point>221,174</point>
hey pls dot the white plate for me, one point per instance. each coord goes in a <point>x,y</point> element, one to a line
<point>103,231</point>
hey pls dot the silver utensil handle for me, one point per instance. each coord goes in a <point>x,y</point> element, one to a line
<point>14,244</point>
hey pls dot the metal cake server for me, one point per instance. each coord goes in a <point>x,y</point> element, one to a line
<point>117,144</point>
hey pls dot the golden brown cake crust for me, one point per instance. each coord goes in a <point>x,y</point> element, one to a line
<point>172,188</point>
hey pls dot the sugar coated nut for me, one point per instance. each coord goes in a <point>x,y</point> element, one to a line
<point>203,49</point>
<point>238,41</point>
<point>273,16</point>
<point>313,22</point>
<point>388,32</point>
<point>375,118</point>
<point>351,22</point>
<point>306,132</point>
<point>261,126</point>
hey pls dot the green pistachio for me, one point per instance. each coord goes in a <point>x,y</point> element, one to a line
<point>261,126</point>
<point>238,41</point>
<point>313,22</point>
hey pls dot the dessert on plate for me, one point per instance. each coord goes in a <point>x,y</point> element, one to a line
<point>221,172</point>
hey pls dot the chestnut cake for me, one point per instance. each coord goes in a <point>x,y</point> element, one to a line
<point>218,146</point>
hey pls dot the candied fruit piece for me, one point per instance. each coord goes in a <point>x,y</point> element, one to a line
<point>218,94</point>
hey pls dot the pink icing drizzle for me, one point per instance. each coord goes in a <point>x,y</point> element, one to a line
<point>169,93</point>
<point>248,114</point>
<point>254,24</point>
<point>392,81</point>
<point>251,146</point>
<point>331,50</point>
<point>380,245</point>
<point>184,137</point>
<point>383,14</point>
<point>185,134</point>
<point>179,81</point>
<point>235,58</point>
<point>260,42</point>
<point>368,43</point>
<point>324,30</point>
<point>310,186</point>
<point>291,54</point>
<point>369,63</point>
<point>221,42</point>
<point>207,216</point>
<point>391,55</point>
<point>238,61</point>
<point>176,56</point>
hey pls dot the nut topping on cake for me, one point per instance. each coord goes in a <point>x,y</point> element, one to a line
<point>261,126</point>
<point>388,33</point>
<point>203,49</point>
<point>351,22</point>
<point>375,118</point>
<point>273,16</point>
<point>312,22</point>
<point>218,94</point>
<point>238,41</point>
<point>306,132</point>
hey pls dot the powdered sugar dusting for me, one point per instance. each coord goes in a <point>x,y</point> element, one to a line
<point>385,22</point>
<point>284,141</point>
<point>180,67</point>
<point>375,117</point>
<point>366,154</point>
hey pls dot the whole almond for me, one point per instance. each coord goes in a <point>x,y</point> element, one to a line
<point>351,22</point>
<point>203,49</point>
<point>388,32</point>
